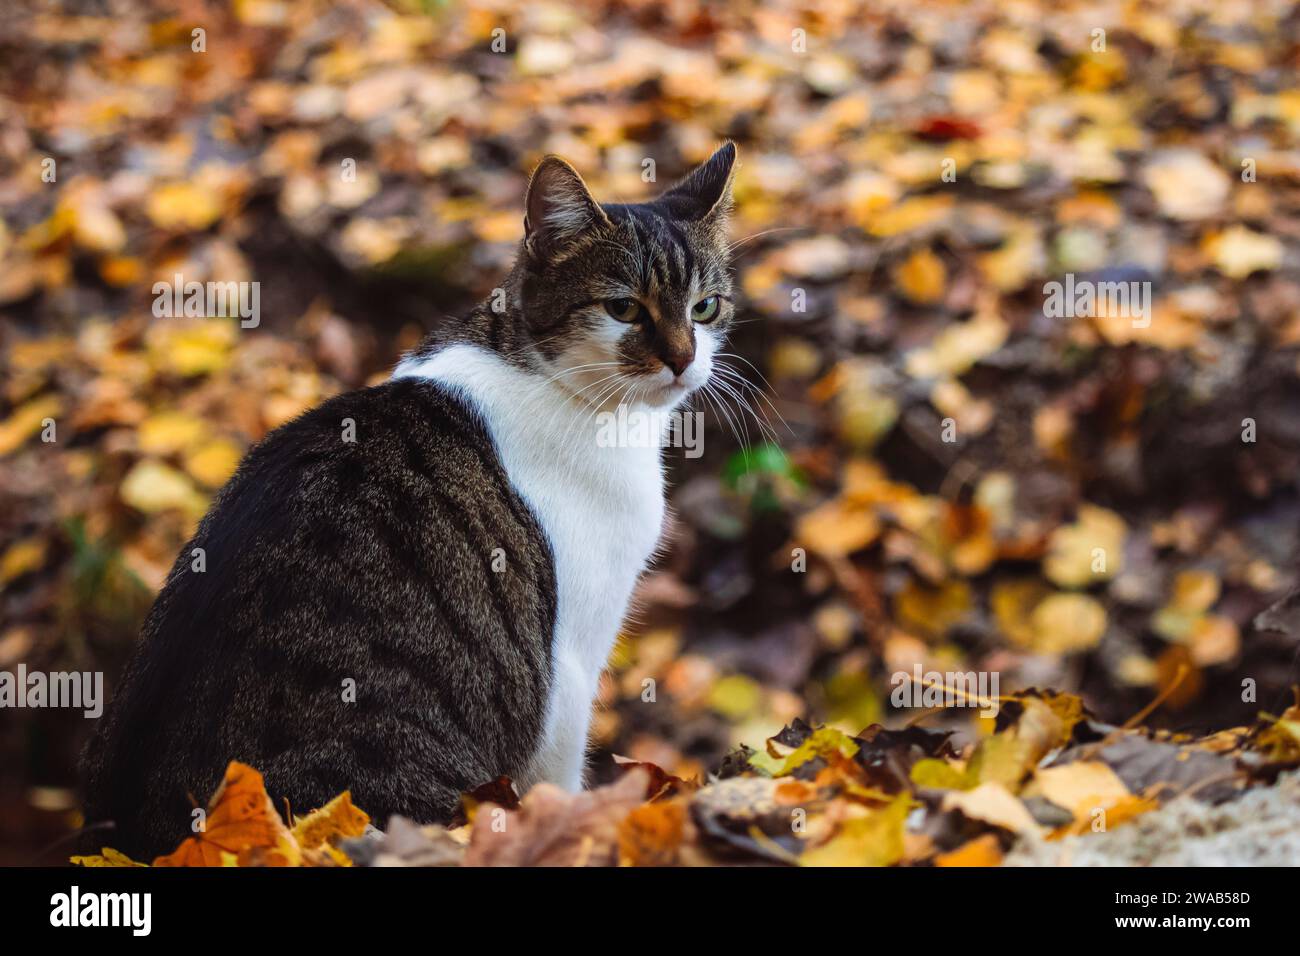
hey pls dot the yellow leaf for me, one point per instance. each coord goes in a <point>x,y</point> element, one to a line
<point>338,819</point>
<point>992,803</point>
<point>214,463</point>
<point>823,742</point>
<point>26,421</point>
<point>921,277</point>
<point>121,271</point>
<point>192,348</point>
<point>1214,640</point>
<point>499,227</point>
<point>1013,603</point>
<point>836,530</point>
<point>735,696</point>
<point>1195,590</point>
<point>867,194</point>
<point>872,840</point>
<point>1237,252</point>
<point>865,411</point>
<point>911,214</point>
<point>932,611</point>
<point>21,557</point>
<point>1002,759</point>
<point>1079,787</point>
<point>168,432</point>
<point>183,206</point>
<point>940,774</point>
<point>152,486</point>
<point>1021,257</point>
<point>107,857</point>
<point>1118,811</point>
<point>1088,551</point>
<point>1066,623</point>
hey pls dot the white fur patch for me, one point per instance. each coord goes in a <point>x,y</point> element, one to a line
<point>602,509</point>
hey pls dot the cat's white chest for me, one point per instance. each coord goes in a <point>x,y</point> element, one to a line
<point>601,508</point>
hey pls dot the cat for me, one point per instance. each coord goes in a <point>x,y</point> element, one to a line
<point>413,588</point>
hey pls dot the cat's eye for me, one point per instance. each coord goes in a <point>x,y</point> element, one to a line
<point>625,310</point>
<point>706,310</point>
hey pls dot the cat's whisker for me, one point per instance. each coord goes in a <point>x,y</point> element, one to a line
<point>574,396</point>
<point>757,370</point>
<point>598,408</point>
<point>759,392</point>
<point>590,366</point>
<point>722,411</point>
<point>733,375</point>
<point>744,403</point>
<point>743,406</point>
<point>598,405</point>
<point>580,395</point>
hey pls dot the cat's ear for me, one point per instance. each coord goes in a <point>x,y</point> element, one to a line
<point>705,193</point>
<point>559,207</point>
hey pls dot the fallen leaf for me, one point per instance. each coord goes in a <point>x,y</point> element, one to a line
<point>555,828</point>
<point>836,530</point>
<point>1079,786</point>
<point>994,804</point>
<point>652,835</point>
<point>152,486</point>
<point>1237,252</point>
<point>107,857</point>
<point>872,840</point>
<point>1186,185</point>
<point>1086,552</point>
<point>241,825</point>
<point>26,421</point>
<point>22,557</point>
<point>921,277</point>
<point>982,851</point>
<point>335,821</point>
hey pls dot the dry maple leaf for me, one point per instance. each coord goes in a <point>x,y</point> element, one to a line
<point>653,834</point>
<point>241,823</point>
<point>555,828</point>
<point>319,832</point>
<point>662,783</point>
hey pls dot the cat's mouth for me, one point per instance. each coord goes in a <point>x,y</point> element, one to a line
<point>665,389</point>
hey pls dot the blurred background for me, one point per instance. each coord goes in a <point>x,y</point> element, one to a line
<point>939,458</point>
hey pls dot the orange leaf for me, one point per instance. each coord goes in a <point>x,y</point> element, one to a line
<point>982,851</point>
<point>338,819</point>
<point>652,834</point>
<point>242,822</point>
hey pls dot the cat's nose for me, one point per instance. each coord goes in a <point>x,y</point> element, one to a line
<point>675,347</point>
<point>679,362</point>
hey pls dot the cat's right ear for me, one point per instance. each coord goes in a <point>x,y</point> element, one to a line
<point>559,208</point>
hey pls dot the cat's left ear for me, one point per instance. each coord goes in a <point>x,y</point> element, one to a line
<point>705,193</point>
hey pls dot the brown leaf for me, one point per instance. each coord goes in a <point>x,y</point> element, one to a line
<point>555,828</point>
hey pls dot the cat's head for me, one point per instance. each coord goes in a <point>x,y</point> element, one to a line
<point>626,303</point>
